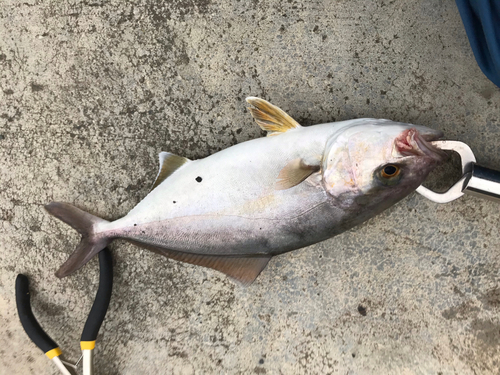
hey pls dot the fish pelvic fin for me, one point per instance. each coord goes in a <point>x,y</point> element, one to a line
<point>84,223</point>
<point>269,117</point>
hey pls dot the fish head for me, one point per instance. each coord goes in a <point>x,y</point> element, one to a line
<point>379,161</point>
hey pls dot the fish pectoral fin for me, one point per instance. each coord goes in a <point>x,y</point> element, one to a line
<point>269,117</point>
<point>295,172</point>
<point>244,269</point>
<point>169,163</point>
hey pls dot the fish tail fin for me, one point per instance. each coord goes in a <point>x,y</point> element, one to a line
<point>84,223</point>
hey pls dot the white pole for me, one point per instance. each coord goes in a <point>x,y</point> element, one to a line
<point>61,366</point>
<point>87,361</point>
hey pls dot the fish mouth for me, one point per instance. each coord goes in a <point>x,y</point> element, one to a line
<point>412,143</point>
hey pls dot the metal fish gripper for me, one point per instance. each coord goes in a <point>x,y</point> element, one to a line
<point>476,180</point>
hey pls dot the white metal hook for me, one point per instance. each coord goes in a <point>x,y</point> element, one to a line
<point>456,191</point>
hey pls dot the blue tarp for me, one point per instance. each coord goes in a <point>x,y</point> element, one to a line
<point>481,19</point>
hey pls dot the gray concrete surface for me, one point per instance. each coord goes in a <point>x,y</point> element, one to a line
<point>92,91</point>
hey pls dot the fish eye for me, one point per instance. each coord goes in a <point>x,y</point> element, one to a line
<point>390,170</point>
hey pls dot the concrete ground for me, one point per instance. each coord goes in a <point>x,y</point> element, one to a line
<point>92,91</point>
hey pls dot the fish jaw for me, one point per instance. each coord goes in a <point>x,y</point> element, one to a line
<point>412,143</point>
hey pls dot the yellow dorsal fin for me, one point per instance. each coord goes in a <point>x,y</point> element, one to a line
<point>169,163</point>
<point>269,117</point>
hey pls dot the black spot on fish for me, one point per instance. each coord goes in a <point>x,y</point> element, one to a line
<point>362,310</point>
<point>135,225</point>
<point>199,179</point>
<point>175,202</point>
<point>353,355</point>
<point>261,361</point>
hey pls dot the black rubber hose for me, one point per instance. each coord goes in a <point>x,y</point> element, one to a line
<point>102,298</point>
<point>28,320</point>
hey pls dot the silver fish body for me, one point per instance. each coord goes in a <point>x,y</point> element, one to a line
<point>235,209</point>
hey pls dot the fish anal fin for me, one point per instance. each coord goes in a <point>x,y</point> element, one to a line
<point>269,117</point>
<point>294,173</point>
<point>169,163</point>
<point>241,268</point>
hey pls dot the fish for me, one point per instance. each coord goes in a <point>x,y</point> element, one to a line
<point>236,209</point>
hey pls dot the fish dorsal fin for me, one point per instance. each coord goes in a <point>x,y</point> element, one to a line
<point>295,172</point>
<point>241,268</point>
<point>169,163</point>
<point>269,117</point>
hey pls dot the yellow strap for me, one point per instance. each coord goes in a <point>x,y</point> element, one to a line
<point>56,352</point>
<point>87,345</point>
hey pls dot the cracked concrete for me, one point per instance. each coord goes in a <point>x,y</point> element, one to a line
<point>92,91</point>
